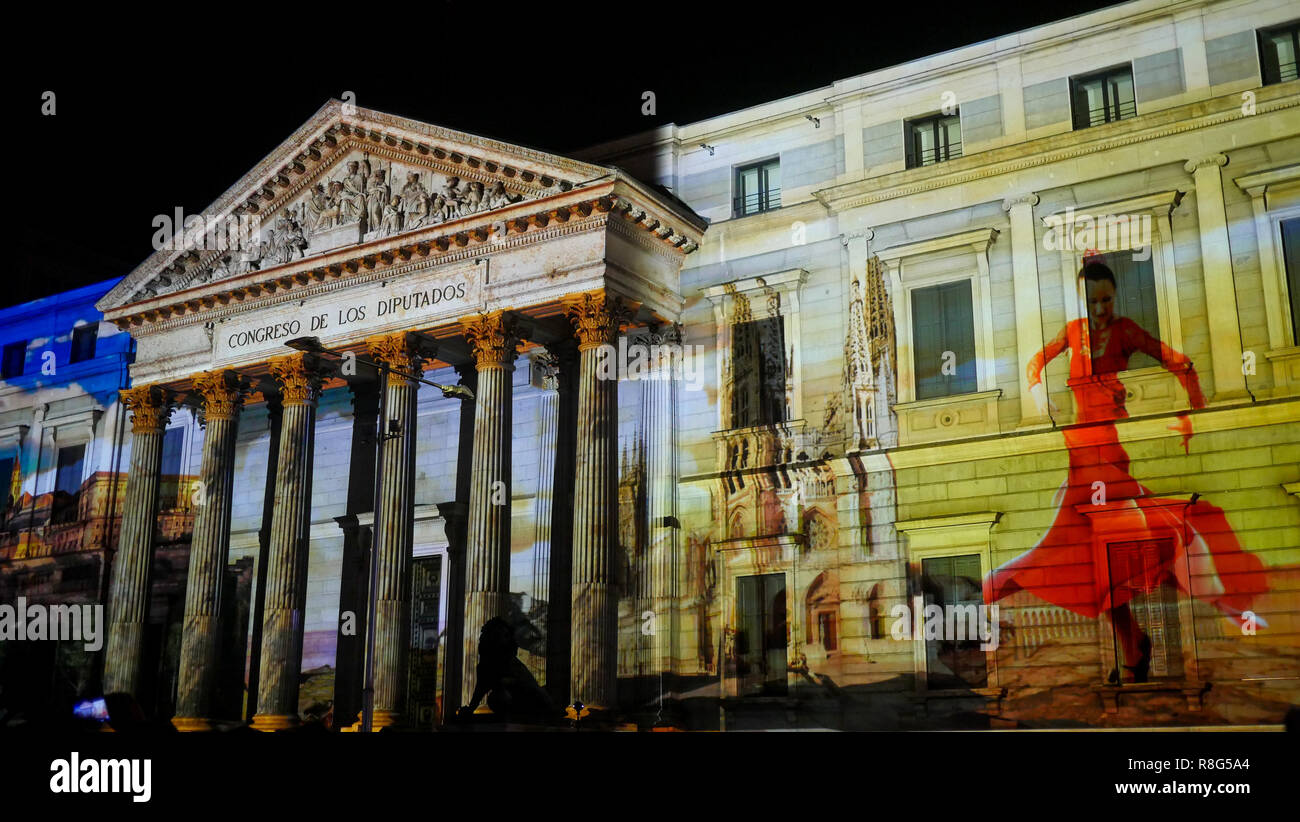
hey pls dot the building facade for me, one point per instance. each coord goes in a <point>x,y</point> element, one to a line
<point>62,450</point>
<point>891,262</point>
<point>717,416</point>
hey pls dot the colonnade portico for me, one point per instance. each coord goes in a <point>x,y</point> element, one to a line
<point>494,340</point>
<point>490,251</point>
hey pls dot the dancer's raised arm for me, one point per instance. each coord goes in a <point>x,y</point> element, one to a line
<point>1175,362</point>
<point>1035,371</point>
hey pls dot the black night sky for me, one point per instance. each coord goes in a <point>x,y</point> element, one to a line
<point>173,111</point>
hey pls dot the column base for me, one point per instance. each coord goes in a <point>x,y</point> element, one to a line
<point>386,719</point>
<point>380,720</point>
<point>269,723</point>
<point>191,724</point>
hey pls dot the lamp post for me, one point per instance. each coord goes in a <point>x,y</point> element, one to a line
<point>312,345</point>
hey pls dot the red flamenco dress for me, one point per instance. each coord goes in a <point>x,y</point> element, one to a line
<point>1207,562</point>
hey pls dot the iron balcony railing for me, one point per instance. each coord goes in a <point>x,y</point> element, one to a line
<point>758,201</point>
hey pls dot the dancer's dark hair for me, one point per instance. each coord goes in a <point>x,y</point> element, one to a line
<point>1095,270</point>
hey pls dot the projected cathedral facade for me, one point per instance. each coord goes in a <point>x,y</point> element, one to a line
<point>963,393</point>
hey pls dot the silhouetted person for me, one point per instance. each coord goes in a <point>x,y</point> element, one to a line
<point>511,691</point>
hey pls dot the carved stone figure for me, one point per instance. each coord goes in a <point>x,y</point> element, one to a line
<point>352,198</point>
<point>391,220</point>
<point>472,199</point>
<point>317,204</point>
<point>377,195</point>
<point>451,195</point>
<point>415,202</point>
<point>497,196</point>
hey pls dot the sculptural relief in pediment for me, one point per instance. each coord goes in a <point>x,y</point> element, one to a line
<point>359,200</point>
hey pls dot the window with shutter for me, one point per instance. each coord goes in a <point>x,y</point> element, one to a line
<point>943,329</point>
<point>954,581</point>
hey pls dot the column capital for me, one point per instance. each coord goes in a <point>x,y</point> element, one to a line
<point>1196,163</point>
<point>1030,199</point>
<point>299,377</point>
<point>222,393</point>
<point>494,338</point>
<point>597,318</point>
<point>150,405</point>
<point>400,351</point>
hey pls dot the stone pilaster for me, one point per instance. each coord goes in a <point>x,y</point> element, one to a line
<point>487,571</point>
<point>1024,272</point>
<point>597,319</point>
<point>1220,287</point>
<point>222,395</point>
<point>286,577</point>
<point>548,409</point>
<point>396,525</point>
<point>128,596</point>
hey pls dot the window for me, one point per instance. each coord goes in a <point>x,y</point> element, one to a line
<point>1277,53</point>
<point>761,636</point>
<point>933,140</point>
<point>1135,297</point>
<point>1103,97</point>
<point>68,477</point>
<point>15,359</point>
<point>1146,621</point>
<point>67,482</point>
<point>83,342</point>
<point>759,368</point>
<point>1291,258</point>
<point>954,584</point>
<point>943,341</point>
<point>821,611</point>
<point>758,188</point>
<point>826,630</point>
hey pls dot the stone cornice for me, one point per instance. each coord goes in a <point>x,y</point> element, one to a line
<point>986,518</point>
<point>780,281</point>
<point>978,239</point>
<point>1164,201</point>
<point>1264,179</point>
<point>1051,149</point>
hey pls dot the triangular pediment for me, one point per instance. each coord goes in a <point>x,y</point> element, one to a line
<point>347,176</point>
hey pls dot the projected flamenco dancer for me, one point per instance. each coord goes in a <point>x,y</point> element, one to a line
<point>1061,568</point>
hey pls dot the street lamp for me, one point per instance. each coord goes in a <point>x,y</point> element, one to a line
<point>312,345</point>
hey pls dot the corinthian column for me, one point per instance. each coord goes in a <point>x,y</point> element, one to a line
<point>223,398</point>
<point>396,526</point>
<point>658,415</point>
<point>286,577</point>
<point>128,596</point>
<point>548,419</point>
<point>487,563</point>
<point>597,319</point>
